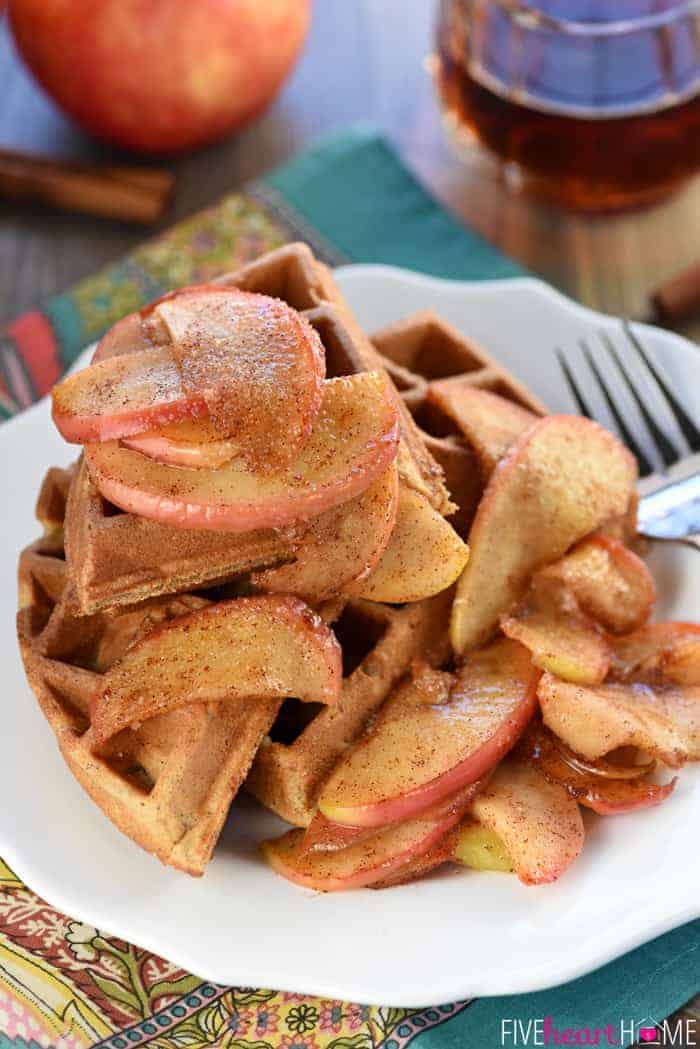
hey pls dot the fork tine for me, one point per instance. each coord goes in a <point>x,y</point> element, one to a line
<point>686,425</point>
<point>645,467</point>
<point>573,387</point>
<point>667,450</point>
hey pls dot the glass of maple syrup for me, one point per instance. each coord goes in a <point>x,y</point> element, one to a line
<point>593,104</point>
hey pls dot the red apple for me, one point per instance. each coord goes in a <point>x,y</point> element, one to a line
<point>160,75</point>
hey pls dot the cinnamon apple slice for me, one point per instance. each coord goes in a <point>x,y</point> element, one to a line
<point>605,788</point>
<point>539,824</point>
<point>559,636</point>
<point>670,651</point>
<point>340,546</point>
<point>560,480</point>
<point>251,363</point>
<point>436,734</point>
<point>609,582</point>
<point>267,647</point>
<point>192,443</point>
<point>373,859</point>
<point>354,440</point>
<point>423,557</point>
<point>661,719</point>
<point>489,423</point>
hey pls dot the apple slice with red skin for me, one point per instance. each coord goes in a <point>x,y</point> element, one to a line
<point>435,735</point>
<point>251,363</point>
<point>599,786</point>
<point>354,440</point>
<point>193,443</point>
<point>561,479</point>
<point>560,637</point>
<point>248,647</point>
<point>488,422</point>
<point>609,582</point>
<point>661,719</point>
<point>340,546</point>
<point>538,823</point>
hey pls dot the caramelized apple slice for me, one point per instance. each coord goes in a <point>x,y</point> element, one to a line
<point>668,650</point>
<point>662,720</point>
<point>373,859</point>
<point>609,582</point>
<point>353,442</point>
<point>340,545</point>
<point>268,647</point>
<point>435,735</point>
<point>249,362</point>
<point>594,785</point>
<point>480,848</point>
<point>559,636</point>
<point>424,555</point>
<point>192,443</point>
<point>539,824</point>
<point>258,364</point>
<point>123,395</point>
<point>561,479</point>
<point>489,423</point>
<point>126,336</point>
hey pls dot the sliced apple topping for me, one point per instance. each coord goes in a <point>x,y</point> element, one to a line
<point>667,650</point>
<point>250,363</point>
<point>435,735</point>
<point>560,637</point>
<point>423,557</point>
<point>538,822</point>
<point>609,582</point>
<point>562,478</point>
<point>340,546</point>
<point>192,443</point>
<point>258,364</point>
<point>602,786</point>
<point>661,719</point>
<point>354,440</point>
<point>266,647</point>
<point>480,848</point>
<point>489,423</point>
<point>373,859</point>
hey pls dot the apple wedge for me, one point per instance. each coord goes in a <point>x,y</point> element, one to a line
<point>354,440</point>
<point>340,545</point>
<point>559,636</point>
<point>489,423</point>
<point>562,478</point>
<point>424,555</point>
<point>267,647</point>
<point>605,788</point>
<point>251,363</point>
<point>662,720</point>
<point>373,859</point>
<point>609,582</point>
<point>480,848</point>
<point>539,824</point>
<point>670,651</point>
<point>258,364</point>
<point>194,443</point>
<point>434,736</point>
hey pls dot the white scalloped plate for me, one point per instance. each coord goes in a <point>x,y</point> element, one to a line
<point>454,935</point>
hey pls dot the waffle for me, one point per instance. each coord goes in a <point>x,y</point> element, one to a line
<point>116,558</point>
<point>423,350</point>
<point>379,644</point>
<point>169,784</point>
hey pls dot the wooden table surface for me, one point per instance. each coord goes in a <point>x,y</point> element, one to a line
<point>363,61</point>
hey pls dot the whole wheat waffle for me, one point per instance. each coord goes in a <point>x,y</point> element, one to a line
<point>421,350</point>
<point>167,785</point>
<point>117,558</point>
<point>379,643</point>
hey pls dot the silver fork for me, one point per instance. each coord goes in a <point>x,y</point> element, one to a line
<point>641,402</point>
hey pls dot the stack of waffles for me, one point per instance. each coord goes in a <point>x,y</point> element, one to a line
<point>362,585</point>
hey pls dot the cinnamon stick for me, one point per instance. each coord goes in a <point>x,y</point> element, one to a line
<point>130,194</point>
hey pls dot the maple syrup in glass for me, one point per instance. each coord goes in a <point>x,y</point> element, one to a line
<point>593,104</point>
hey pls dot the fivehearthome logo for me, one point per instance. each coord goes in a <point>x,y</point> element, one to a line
<point>683,1033</point>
